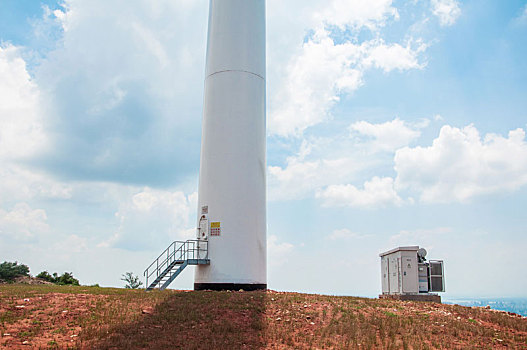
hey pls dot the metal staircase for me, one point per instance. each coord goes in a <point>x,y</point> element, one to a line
<point>173,261</point>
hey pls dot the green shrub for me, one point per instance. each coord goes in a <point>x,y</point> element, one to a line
<point>10,270</point>
<point>65,279</point>
<point>46,276</point>
<point>132,281</point>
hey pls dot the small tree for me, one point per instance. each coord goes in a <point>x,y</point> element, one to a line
<point>132,281</point>
<point>45,276</point>
<point>10,270</point>
<point>65,279</point>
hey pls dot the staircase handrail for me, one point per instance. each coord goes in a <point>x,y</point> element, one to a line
<point>187,250</point>
<point>165,252</point>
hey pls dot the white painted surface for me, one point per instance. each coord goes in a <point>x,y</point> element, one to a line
<point>232,180</point>
<point>401,265</point>
<point>409,273</point>
<point>394,277</point>
<point>385,275</point>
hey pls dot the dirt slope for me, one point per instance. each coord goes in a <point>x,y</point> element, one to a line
<point>33,317</point>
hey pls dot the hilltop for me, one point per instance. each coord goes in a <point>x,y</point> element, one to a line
<point>43,316</point>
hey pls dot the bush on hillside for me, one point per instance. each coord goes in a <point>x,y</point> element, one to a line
<point>132,281</point>
<point>65,279</point>
<point>9,270</point>
<point>46,276</point>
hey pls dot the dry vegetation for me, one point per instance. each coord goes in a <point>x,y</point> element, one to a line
<point>51,317</point>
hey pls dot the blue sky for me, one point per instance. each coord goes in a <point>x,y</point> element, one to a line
<point>389,123</point>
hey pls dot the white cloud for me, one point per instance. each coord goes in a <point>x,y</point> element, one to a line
<point>395,56</point>
<point>152,219</point>
<point>390,135</point>
<point>22,135</point>
<point>21,132</point>
<point>422,237</point>
<point>522,18</point>
<point>311,87</point>
<point>71,245</point>
<point>324,71</point>
<point>447,11</point>
<point>300,178</point>
<point>112,85</point>
<point>356,14</point>
<point>345,234</point>
<point>22,184</point>
<point>377,192</point>
<point>278,252</point>
<point>460,165</point>
<point>341,159</point>
<point>23,223</point>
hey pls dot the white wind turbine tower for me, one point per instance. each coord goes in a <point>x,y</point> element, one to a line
<point>230,249</point>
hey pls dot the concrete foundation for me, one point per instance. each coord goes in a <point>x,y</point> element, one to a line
<point>433,298</point>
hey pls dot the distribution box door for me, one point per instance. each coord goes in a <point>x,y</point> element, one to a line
<point>393,280</point>
<point>423,278</point>
<point>385,275</point>
<point>410,278</point>
<point>437,281</point>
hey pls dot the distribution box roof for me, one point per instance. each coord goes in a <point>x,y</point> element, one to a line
<point>413,248</point>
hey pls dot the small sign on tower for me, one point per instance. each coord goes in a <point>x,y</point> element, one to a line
<point>215,228</point>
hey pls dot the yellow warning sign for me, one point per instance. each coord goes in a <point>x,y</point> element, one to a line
<point>215,228</point>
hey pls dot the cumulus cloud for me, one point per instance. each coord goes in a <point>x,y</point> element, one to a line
<point>426,237</point>
<point>345,234</point>
<point>395,56</point>
<point>21,130</point>
<point>22,136</point>
<point>151,219</point>
<point>22,184</point>
<point>341,159</point>
<point>325,69</point>
<point>298,179</point>
<point>278,252</point>
<point>522,17</point>
<point>389,135</point>
<point>23,223</point>
<point>356,14</point>
<point>123,91</point>
<point>447,11</point>
<point>311,87</point>
<point>377,192</point>
<point>460,164</point>
<point>71,245</point>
